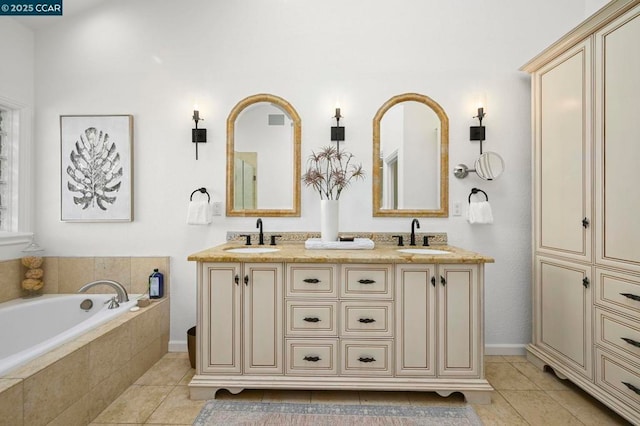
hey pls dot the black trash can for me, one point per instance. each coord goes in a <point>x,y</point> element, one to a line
<point>191,345</point>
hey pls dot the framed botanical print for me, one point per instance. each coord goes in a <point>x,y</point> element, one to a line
<point>96,168</point>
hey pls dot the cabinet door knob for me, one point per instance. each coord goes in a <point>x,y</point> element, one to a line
<point>585,223</point>
<point>631,296</point>
<point>442,280</point>
<point>433,281</point>
<point>311,280</point>
<point>312,358</point>
<point>585,282</point>
<point>366,320</point>
<point>633,388</point>
<point>246,280</point>
<point>236,279</point>
<point>366,359</point>
<point>365,281</point>
<point>311,319</point>
<point>631,342</point>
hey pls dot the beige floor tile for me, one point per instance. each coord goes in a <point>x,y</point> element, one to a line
<point>115,424</point>
<point>545,380</point>
<point>494,358</point>
<point>456,399</point>
<point>254,395</point>
<point>515,358</point>
<point>186,379</point>
<point>499,412</point>
<point>504,376</point>
<point>586,408</point>
<point>167,371</point>
<point>177,408</point>
<point>135,404</point>
<point>299,396</point>
<point>335,397</point>
<point>384,398</point>
<point>538,408</point>
<point>184,355</point>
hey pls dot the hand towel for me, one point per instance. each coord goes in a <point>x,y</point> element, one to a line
<point>199,212</point>
<point>479,213</point>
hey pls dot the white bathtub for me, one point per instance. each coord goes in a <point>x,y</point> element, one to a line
<point>32,327</point>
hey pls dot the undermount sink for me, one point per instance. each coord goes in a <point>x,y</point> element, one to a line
<point>423,251</point>
<point>252,250</point>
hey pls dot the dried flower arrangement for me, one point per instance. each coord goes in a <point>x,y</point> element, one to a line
<point>330,171</point>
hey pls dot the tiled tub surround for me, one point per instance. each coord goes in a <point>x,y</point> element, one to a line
<point>74,382</point>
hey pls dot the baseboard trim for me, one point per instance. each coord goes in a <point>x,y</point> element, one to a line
<point>178,346</point>
<point>505,349</point>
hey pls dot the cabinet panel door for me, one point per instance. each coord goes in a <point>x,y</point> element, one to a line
<point>263,326</point>
<point>219,349</point>
<point>458,325</point>
<point>415,320</point>
<point>563,155</point>
<point>563,312</point>
<point>617,146</point>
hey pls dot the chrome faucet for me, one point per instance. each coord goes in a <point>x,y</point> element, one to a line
<point>414,223</point>
<point>121,292</point>
<point>261,235</point>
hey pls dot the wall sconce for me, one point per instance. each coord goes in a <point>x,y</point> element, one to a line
<point>198,135</point>
<point>477,133</point>
<point>337,131</point>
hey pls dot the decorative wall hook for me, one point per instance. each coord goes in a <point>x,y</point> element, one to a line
<point>198,135</point>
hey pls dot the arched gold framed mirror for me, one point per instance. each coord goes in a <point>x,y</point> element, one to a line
<point>411,158</point>
<point>263,158</point>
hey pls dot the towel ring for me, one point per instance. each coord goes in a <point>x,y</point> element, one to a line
<point>475,191</point>
<point>204,191</point>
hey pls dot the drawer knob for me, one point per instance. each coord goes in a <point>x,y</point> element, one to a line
<point>366,281</point>
<point>311,319</point>
<point>366,320</point>
<point>631,296</point>
<point>633,388</point>
<point>311,358</point>
<point>366,359</point>
<point>311,280</point>
<point>631,342</point>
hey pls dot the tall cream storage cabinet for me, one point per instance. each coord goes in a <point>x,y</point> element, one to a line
<point>586,226</point>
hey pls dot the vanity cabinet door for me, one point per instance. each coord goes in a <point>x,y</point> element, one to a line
<point>459,329</point>
<point>263,325</point>
<point>220,319</point>
<point>415,320</point>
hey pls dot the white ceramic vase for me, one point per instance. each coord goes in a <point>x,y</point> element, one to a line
<point>329,220</point>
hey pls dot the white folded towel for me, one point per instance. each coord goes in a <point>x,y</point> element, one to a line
<point>479,213</point>
<point>356,244</point>
<point>199,213</point>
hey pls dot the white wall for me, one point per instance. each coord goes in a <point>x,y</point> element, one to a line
<point>155,58</point>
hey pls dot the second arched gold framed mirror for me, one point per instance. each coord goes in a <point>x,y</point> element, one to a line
<point>263,158</point>
<point>410,158</point>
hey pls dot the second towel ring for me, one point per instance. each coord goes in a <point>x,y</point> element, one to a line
<point>204,191</point>
<point>475,191</point>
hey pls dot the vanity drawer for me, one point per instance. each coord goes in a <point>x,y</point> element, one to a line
<point>311,318</point>
<point>311,356</point>
<point>618,334</point>
<point>618,377</point>
<point>312,280</point>
<point>367,319</point>
<point>366,357</point>
<point>367,281</point>
<point>618,291</point>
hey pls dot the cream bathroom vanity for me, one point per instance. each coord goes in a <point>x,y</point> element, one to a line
<point>340,319</point>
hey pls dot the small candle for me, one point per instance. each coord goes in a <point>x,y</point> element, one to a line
<point>196,115</point>
<point>338,112</point>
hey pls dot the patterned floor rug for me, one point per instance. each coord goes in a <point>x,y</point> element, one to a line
<point>220,412</point>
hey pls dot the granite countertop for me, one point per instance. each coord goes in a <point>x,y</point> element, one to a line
<point>295,252</point>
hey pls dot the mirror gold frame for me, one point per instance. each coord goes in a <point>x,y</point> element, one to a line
<point>297,136</point>
<point>443,211</point>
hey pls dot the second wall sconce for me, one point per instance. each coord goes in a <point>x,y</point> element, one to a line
<point>337,131</point>
<point>198,135</point>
